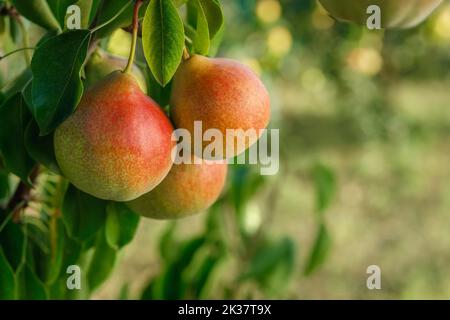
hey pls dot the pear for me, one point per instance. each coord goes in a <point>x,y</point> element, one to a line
<point>222,94</point>
<point>101,64</point>
<point>187,189</point>
<point>117,144</point>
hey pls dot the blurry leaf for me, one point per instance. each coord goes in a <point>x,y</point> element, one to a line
<point>273,264</point>
<point>201,41</point>
<point>57,250</point>
<point>37,11</point>
<point>14,30</point>
<point>325,184</point>
<point>163,39</point>
<point>203,275</point>
<point>59,9</point>
<point>11,240</point>
<point>167,242</point>
<point>173,286</point>
<point>57,87</point>
<point>245,183</point>
<point>214,16</point>
<point>179,3</point>
<point>40,148</point>
<point>18,84</point>
<point>121,224</point>
<point>29,287</point>
<point>319,250</point>
<point>216,42</point>
<point>83,215</point>
<point>102,262</point>
<point>15,117</point>
<point>124,292</point>
<point>2,25</point>
<point>7,280</point>
<point>5,189</point>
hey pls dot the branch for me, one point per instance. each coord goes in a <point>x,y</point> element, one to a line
<point>21,196</point>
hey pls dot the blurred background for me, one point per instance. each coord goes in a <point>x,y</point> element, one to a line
<point>364,119</point>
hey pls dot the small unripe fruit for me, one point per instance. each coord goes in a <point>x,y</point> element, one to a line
<point>187,189</point>
<point>394,13</point>
<point>117,145</point>
<point>222,94</point>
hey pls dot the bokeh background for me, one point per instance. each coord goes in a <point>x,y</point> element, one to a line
<point>364,119</point>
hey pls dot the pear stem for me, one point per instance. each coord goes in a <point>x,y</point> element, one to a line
<point>186,54</point>
<point>137,5</point>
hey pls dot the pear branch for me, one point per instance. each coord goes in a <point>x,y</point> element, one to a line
<point>137,6</point>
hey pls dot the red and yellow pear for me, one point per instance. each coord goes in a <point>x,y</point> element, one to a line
<point>117,144</point>
<point>187,189</point>
<point>222,94</point>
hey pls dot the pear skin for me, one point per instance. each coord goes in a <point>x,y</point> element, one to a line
<point>117,144</point>
<point>222,94</point>
<point>187,189</point>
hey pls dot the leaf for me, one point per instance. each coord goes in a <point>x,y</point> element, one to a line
<point>59,9</point>
<point>121,224</point>
<point>201,40</point>
<point>37,11</point>
<point>57,251</point>
<point>14,30</point>
<point>83,215</point>
<point>214,16</point>
<point>18,84</point>
<point>29,287</point>
<point>325,184</point>
<point>273,264</point>
<point>167,242</point>
<point>109,9</point>
<point>12,241</point>
<point>102,262</point>
<point>40,148</point>
<point>203,275</point>
<point>15,117</point>
<point>7,280</point>
<point>173,286</point>
<point>57,86</point>
<point>162,39</point>
<point>319,250</point>
<point>179,3</point>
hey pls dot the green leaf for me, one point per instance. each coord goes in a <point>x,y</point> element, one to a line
<point>15,117</point>
<point>273,264</point>
<point>18,84</point>
<point>12,241</point>
<point>40,148</point>
<point>167,242</point>
<point>2,25</point>
<point>319,250</point>
<point>214,16</point>
<point>37,11</point>
<point>121,224</point>
<point>57,86</point>
<point>14,30</point>
<point>29,287</point>
<point>83,215</point>
<point>7,280</point>
<point>179,3</point>
<point>201,41</point>
<point>325,184</point>
<point>173,286</point>
<point>59,9</point>
<point>108,10</point>
<point>162,39</point>
<point>57,251</point>
<point>102,262</point>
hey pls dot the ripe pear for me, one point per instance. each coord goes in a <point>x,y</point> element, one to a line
<point>187,189</point>
<point>222,94</point>
<point>101,64</point>
<point>117,144</point>
<point>394,13</point>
